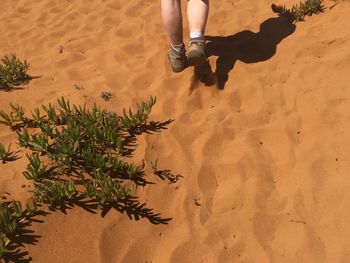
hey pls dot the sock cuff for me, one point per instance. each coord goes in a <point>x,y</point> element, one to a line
<point>196,35</point>
<point>178,48</point>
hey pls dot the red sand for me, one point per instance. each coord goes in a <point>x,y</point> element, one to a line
<point>265,160</point>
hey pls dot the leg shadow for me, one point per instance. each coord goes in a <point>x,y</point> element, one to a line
<point>247,46</point>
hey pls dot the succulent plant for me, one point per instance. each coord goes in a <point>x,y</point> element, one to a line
<point>86,154</point>
<point>299,11</point>
<point>5,154</point>
<point>13,71</point>
<point>105,95</point>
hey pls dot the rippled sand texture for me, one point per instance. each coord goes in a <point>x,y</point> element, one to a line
<point>264,153</point>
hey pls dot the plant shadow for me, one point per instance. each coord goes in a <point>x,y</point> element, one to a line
<point>12,156</point>
<point>18,85</point>
<point>136,210</point>
<point>129,205</point>
<point>15,251</point>
<point>247,46</point>
<point>129,143</point>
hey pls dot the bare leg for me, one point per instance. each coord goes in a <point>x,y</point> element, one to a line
<point>172,19</point>
<point>197,14</point>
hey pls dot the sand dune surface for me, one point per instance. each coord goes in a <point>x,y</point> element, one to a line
<point>263,154</point>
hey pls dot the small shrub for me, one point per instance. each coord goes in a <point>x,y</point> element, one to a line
<point>35,169</point>
<point>6,119</point>
<point>54,193</point>
<point>12,219</point>
<point>5,155</point>
<point>108,190</point>
<point>23,138</point>
<point>11,215</point>
<point>40,142</point>
<point>79,142</point>
<point>132,120</point>
<point>86,152</point>
<point>299,11</point>
<point>13,71</point>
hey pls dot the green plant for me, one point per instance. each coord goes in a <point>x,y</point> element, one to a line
<point>299,11</point>
<point>18,113</point>
<point>15,116</point>
<point>54,193</point>
<point>11,215</point>
<point>35,169</point>
<point>13,71</point>
<point>52,116</point>
<point>5,155</point>
<point>12,220</point>
<point>40,142</point>
<point>31,207</point>
<point>164,174</point>
<point>75,141</point>
<point>23,138</point>
<point>132,120</point>
<point>86,152</point>
<point>107,190</point>
<point>7,119</point>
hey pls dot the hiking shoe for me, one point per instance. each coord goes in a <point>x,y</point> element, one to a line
<point>204,73</point>
<point>178,60</point>
<point>196,53</point>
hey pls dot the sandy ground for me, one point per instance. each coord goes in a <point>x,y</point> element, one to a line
<point>264,153</point>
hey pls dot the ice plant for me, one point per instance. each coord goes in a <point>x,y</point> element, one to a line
<point>13,71</point>
<point>299,11</point>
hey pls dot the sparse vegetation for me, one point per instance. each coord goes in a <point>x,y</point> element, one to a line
<point>105,95</point>
<point>13,72</point>
<point>12,222</point>
<point>5,154</point>
<point>35,169</point>
<point>78,153</point>
<point>83,149</point>
<point>298,12</point>
<point>54,193</point>
<point>11,215</point>
<point>164,174</point>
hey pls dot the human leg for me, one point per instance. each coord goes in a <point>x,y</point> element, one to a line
<point>172,19</point>
<point>197,15</point>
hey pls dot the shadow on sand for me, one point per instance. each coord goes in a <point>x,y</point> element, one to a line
<point>16,251</point>
<point>130,205</point>
<point>19,85</point>
<point>247,46</point>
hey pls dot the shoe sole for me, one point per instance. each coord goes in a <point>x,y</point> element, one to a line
<point>195,58</point>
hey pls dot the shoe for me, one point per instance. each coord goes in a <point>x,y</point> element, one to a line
<point>196,53</point>
<point>178,60</point>
<point>204,73</point>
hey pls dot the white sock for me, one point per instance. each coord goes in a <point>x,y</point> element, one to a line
<point>196,35</point>
<point>178,48</point>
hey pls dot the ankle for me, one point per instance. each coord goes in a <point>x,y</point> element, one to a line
<point>196,36</point>
<point>178,48</point>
